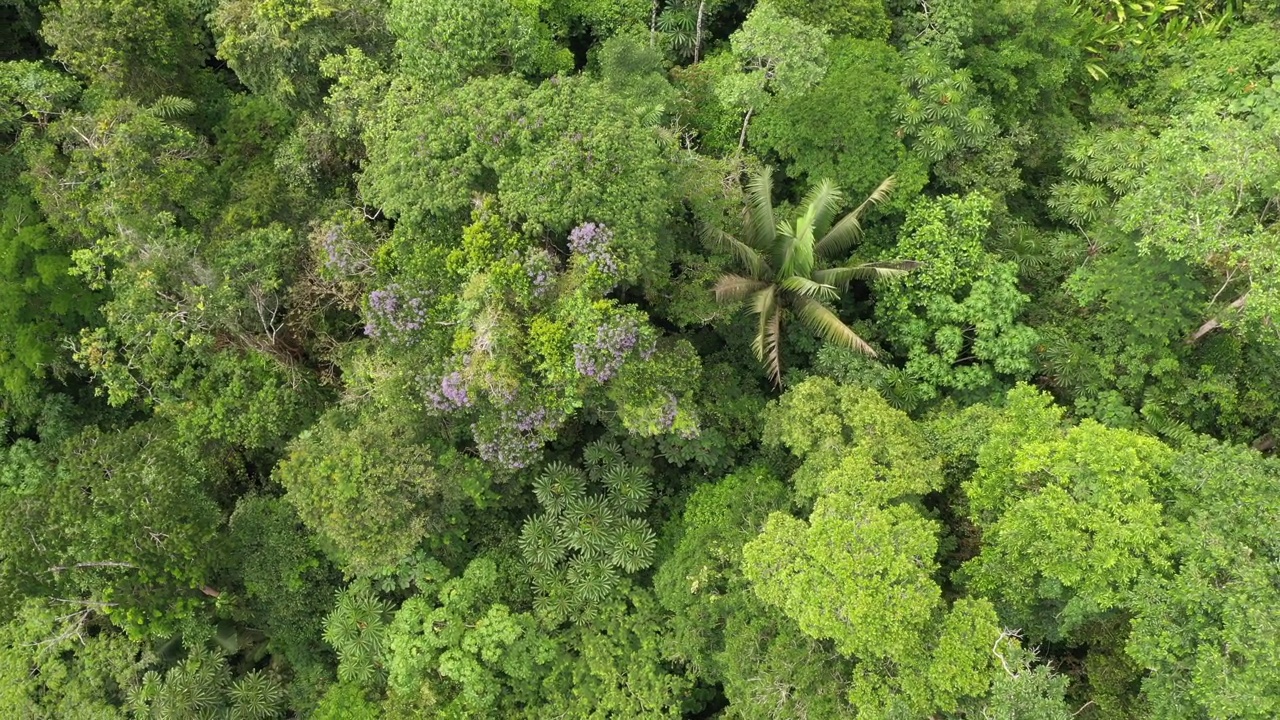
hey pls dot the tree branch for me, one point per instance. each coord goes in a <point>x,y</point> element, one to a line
<point>1212,323</point>
<point>995,649</point>
<point>78,566</point>
<point>742,136</point>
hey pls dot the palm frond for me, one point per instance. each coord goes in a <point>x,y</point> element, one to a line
<point>732,288</point>
<point>1172,430</point>
<point>801,259</point>
<point>771,345</point>
<point>846,232</point>
<point>840,277</point>
<point>760,222</point>
<point>879,195</point>
<point>805,287</point>
<point>763,302</point>
<point>763,305</point>
<point>820,319</point>
<point>784,247</point>
<point>743,253</point>
<point>821,204</point>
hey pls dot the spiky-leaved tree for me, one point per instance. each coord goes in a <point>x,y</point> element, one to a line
<point>583,543</point>
<point>792,267</point>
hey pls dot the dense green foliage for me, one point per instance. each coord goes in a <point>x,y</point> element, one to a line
<point>560,359</point>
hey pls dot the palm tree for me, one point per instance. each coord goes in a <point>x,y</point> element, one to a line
<point>788,269</point>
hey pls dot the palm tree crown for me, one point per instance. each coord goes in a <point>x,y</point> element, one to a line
<point>787,266</point>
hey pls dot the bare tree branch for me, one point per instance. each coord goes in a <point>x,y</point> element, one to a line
<point>1213,323</point>
<point>79,566</point>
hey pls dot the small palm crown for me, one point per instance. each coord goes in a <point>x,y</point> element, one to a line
<point>787,266</point>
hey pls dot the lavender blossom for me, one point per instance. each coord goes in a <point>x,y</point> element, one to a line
<point>452,393</point>
<point>515,440</point>
<point>592,242</point>
<point>541,270</point>
<point>340,257</point>
<point>394,315</point>
<point>600,360</point>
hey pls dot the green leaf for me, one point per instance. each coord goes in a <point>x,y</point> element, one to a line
<point>557,486</point>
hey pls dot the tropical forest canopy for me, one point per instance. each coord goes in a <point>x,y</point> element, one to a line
<point>872,359</point>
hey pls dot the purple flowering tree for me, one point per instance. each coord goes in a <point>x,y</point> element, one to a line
<point>452,392</point>
<point>655,397</point>
<point>535,345</point>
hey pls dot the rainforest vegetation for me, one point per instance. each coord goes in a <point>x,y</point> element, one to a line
<point>586,359</point>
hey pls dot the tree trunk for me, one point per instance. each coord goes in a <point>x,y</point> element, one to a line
<point>742,136</point>
<point>697,37</point>
<point>653,23</point>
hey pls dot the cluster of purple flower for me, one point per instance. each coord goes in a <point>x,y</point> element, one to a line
<point>591,241</point>
<point>667,419</point>
<point>393,315</point>
<point>601,359</point>
<point>516,440</point>
<point>338,254</point>
<point>541,281</point>
<point>542,272</point>
<point>452,393</point>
